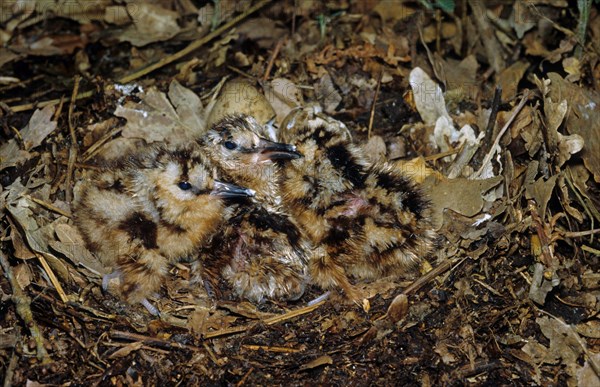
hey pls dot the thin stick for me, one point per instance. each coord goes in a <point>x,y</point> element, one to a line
<point>73,150</point>
<point>269,321</point>
<point>50,207</point>
<point>194,45</point>
<point>492,151</point>
<point>373,103</point>
<point>273,57</point>
<point>245,377</point>
<point>9,372</point>
<point>425,279</point>
<point>441,155</point>
<point>92,150</point>
<point>74,94</point>
<point>52,276</point>
<point>152,341</point>
<point>267,348</point>
<point>23,305</point>
<point>169,59</point>
<point>489,129</point>
<point>577,234</point>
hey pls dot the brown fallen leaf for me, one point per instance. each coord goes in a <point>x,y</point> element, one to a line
<point>461,195</point>
<point>71,245</point>
<point>151,23</point>
<point>318,362</point>
<point>398,308</point>
<point>510,77</point>
<point>39,127</point>
<point>583,118</point>
<point>126,350</point>
<point>241,96</point>
<point>173,119</point>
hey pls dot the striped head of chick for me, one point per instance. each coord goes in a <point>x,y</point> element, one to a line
<point>149,209</point>
<point>243,156</point>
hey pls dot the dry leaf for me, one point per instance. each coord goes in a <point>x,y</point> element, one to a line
<point>588,374</point>
<point>398,308</point>
<point>442,349</point>
<point>156,118</point>
<point>262,30</point>
<point>320,361</point>
<point>583,118</point>
<point>541,191</point>
<point>151,23</point>
<point>327,94</point>
<point>23,275</point>
<point>22,251</point>
<point>241,96</point>
<point>126,350</point>
<point>283,95</point>
<point>428,97</point>
<point>540,286</point>
<point>39,127</point>
<point>73,247</point>
<point>460,195</point>
<point>510,77</point>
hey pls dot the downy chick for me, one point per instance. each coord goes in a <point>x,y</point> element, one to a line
<point>368,220</point>
<point>260,251</point>
<point>145,211</point>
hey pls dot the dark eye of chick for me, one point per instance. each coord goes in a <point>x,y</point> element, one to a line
<point>184,185</point>
<point>230,145</point>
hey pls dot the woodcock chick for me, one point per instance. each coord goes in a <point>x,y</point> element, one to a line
<point>259,251</point>
<point>145,211</point>
<point>367,221</point>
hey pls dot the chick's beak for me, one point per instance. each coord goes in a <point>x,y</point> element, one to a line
<point>227,190</point>
<point>269,150</point>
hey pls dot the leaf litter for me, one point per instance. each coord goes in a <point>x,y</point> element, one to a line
<point>505,146</point>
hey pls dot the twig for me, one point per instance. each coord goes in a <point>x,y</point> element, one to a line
<point>489,129</point>
<point>73,150</point>
<point>23,305</point>
<point>441,155</point>
<point>267,348</point>
<point>21,83</point>
<point>152,341</point>
<point>76,81</point>
<point>212,355</point>
<point>194,45</point>
<point>425,279</point>
<point>590,250</point>
<point>92,150</point>
<point>269,321</point>
<point>294,17</point>
<point>487,36</point>
<point>245,377</point>
<point>372,116</point>
<point>546,256</point>
<point>9,372</point>
<point>50,207</point>
<point>488,287</point>
<point>273,57</point>
<point>577,234</point>
<point>163,62</point>
<point>241,72</point>
<point>492,151</point>
<point>52,276</point>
